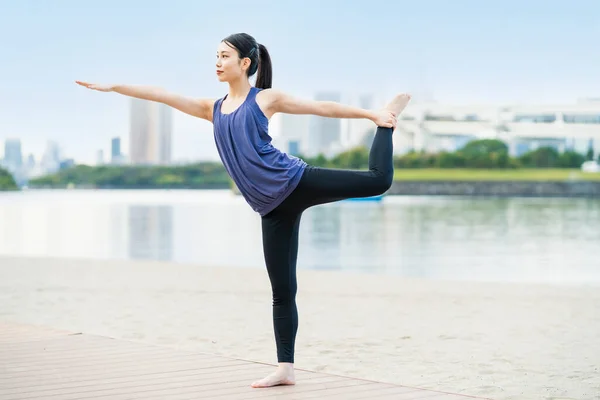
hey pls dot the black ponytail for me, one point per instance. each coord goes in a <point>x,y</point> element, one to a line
<point>264,79</point>
<point>260,60</point>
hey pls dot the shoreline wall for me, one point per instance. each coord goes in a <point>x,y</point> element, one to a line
<point>497,188</point>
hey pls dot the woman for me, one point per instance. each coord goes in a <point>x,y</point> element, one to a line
<point>277,186</point>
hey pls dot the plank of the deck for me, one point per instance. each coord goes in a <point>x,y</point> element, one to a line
<point>53,364</point>
<point>16,333</point>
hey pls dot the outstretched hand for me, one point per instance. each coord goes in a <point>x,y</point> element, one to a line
<point>385,119</point>
<point>94,86</point>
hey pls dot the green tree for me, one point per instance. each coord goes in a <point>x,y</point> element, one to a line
<point>590,153</point>
<point>543,157</point>
<point>485,153</point>
<point>570,159</point>
<point>357,158</point>
<point>6,181</point>
<point>318,161</point>
<point>414,159</point>
<point>450,160</point>
<point>199,175</point>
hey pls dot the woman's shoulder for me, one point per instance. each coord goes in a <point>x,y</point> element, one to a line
<point>266,99</point>
<point>267,94</point>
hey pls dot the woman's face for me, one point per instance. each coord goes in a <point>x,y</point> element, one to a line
<point>229,65</point>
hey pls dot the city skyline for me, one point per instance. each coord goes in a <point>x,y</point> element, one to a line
<point>457,53</point>
<point>527,127</point>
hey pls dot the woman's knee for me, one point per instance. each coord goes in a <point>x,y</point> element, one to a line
<point>284,294</point>
<point>382,182</point>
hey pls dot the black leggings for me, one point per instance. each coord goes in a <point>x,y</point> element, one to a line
<point>281,226</point>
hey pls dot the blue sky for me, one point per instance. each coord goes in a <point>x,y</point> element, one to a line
<point>462,51</point>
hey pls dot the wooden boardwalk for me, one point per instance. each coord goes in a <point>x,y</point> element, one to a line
<point>40,363</point>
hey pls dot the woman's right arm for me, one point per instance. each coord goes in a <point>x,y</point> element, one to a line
<point>201,108</point>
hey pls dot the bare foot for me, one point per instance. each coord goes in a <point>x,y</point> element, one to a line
<point>283,376</point>
<point>398,104</point>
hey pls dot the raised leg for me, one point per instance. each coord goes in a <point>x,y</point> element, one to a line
<point>325,185</point>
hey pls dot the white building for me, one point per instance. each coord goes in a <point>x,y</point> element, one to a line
<point>150,132</point>
<point>436,127</point>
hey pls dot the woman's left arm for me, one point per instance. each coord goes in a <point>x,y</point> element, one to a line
<point>275,101</point>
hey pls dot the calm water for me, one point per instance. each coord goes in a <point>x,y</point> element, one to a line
<point>527,240</point>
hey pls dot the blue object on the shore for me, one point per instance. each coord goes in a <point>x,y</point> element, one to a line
<point>372,198</point>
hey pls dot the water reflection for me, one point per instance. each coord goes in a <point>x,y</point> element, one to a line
<point>150,232</point>
<point>445,238</point>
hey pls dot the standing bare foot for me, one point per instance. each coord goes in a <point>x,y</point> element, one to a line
<point>398,104</point>
<point>284,375</point>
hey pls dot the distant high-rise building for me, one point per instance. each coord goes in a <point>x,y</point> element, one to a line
<point>324,133</point>
<point>294,147</point>
<point>358,131</point>
<point>165,130</point>
<point>13,157</point>
<point>100,157</point>
<point>115,149</point>
<point>31,161</point>
<point>31,168</point>
<point>294,133</point>
<point>150,132</point>
<point>67,163</point>
<point>51,158</point>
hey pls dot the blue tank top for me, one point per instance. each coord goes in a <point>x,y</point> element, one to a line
<point>264,175</point>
